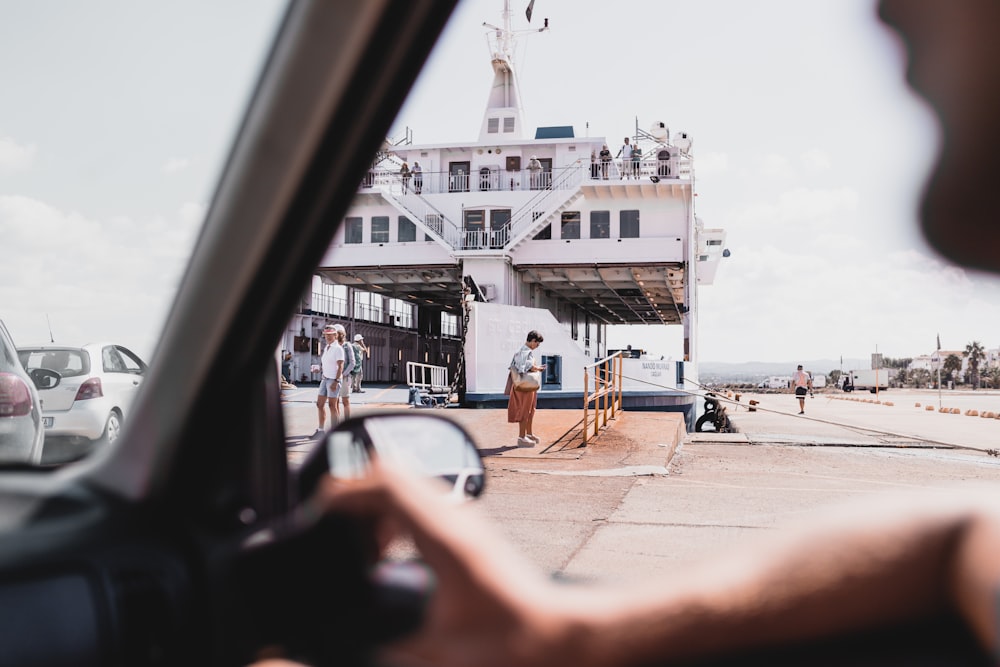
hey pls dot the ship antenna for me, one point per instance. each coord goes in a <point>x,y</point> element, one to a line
<point>47,321</point>
<point>503,37</point>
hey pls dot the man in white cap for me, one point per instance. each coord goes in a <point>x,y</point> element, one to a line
<point>345,371</point>
<point>360,352</point>
<point>535,173</point>
<point>331,368</point>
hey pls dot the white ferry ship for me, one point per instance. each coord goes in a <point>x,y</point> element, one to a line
<point>451,265</point>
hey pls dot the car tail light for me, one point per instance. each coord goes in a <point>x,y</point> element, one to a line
<point>91,388</point>
<point>15,397</point>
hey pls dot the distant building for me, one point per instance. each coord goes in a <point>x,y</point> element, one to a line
<point>923,362</point>
<point>938,357</point>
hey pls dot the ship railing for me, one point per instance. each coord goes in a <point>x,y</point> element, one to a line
<point>605,395</point>
<point>325,304</point>
<point>679,166</point>
<point>566,180</point>
<point>482,239</point>
<point>486,179</point>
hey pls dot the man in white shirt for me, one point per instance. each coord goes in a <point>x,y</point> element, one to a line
<point>802,384</point>
<point>332,367</point>
<point>625,153</point>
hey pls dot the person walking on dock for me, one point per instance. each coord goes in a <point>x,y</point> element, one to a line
<point>802,384</point>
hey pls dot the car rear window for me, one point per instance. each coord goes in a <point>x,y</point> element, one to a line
<point>66,362</point>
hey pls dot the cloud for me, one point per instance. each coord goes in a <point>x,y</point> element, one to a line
<point>824,208</point>
<point>712,163</point>
<point>15,156</point>
<point>176,164</point>
<point>775,167</point>
<point>807,306</point>
<point>816,160</point>
<point>96,279</point>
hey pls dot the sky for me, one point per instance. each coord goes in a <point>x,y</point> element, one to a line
<point>809,151</point>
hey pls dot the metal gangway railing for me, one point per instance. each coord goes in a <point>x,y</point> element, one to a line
<point>567,179</point>
<point>436,221</point>
<point>427,377</point>
<point>606,395</point>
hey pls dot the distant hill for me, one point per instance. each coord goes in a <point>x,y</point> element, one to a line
<point>756,370</point>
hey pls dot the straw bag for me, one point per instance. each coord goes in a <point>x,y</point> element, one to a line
<point>530,381</point>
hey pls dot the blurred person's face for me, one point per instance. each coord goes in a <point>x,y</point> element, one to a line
<point>954,63</point>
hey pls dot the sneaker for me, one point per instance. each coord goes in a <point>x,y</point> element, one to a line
<point>319,433</point>
<point>533,438</point>
<point>524,442</point>
<point>802,412</point>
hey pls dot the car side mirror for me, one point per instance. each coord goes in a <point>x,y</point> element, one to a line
<point>43,378</point>
<point>428,445</point>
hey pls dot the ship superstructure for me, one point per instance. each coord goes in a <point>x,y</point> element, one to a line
<point>484,240</point>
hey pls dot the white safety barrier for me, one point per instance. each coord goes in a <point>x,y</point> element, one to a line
<point>429,378</point>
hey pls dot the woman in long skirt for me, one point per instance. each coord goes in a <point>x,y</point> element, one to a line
<point>521,406</point>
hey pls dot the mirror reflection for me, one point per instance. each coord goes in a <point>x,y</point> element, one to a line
<point>425,444</point>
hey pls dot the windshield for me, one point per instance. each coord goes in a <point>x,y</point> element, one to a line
<point>657,180</point>
<point>66,362</point>
<point>116,122</point>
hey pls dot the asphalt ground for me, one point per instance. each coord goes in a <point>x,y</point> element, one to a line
<point>645,498</point>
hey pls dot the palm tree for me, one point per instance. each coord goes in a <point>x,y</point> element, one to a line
<point>976,354</point>
<point>952,364</point>
<point>920,377</point>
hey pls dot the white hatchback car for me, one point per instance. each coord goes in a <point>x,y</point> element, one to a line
<point>93,397</point>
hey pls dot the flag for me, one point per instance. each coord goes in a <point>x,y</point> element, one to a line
<point>527,12</point>
<point>939,341</point>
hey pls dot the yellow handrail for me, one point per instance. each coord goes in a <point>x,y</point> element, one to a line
<point>607,392</point>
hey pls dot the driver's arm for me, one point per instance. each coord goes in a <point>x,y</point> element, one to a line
<point>859,569</point>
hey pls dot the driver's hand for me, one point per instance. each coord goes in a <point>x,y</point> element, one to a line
<point>490,606</point>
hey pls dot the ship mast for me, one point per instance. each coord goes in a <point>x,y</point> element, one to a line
<point>503,117</point>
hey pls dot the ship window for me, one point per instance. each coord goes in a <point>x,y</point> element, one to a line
<point>570,225</point>
<point>380,229</point>
<point>493,125</point>
<point>406,230</point>
<point>475,229</point>
<point>367,306</point>
<point>449,325</point>
<point>714,242</point>
<point>353,231</point>
<point>545,234</point>
<point>508,124</point>
<point>628,224</point>
<point>600,224</point>
<point>499,227</point>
